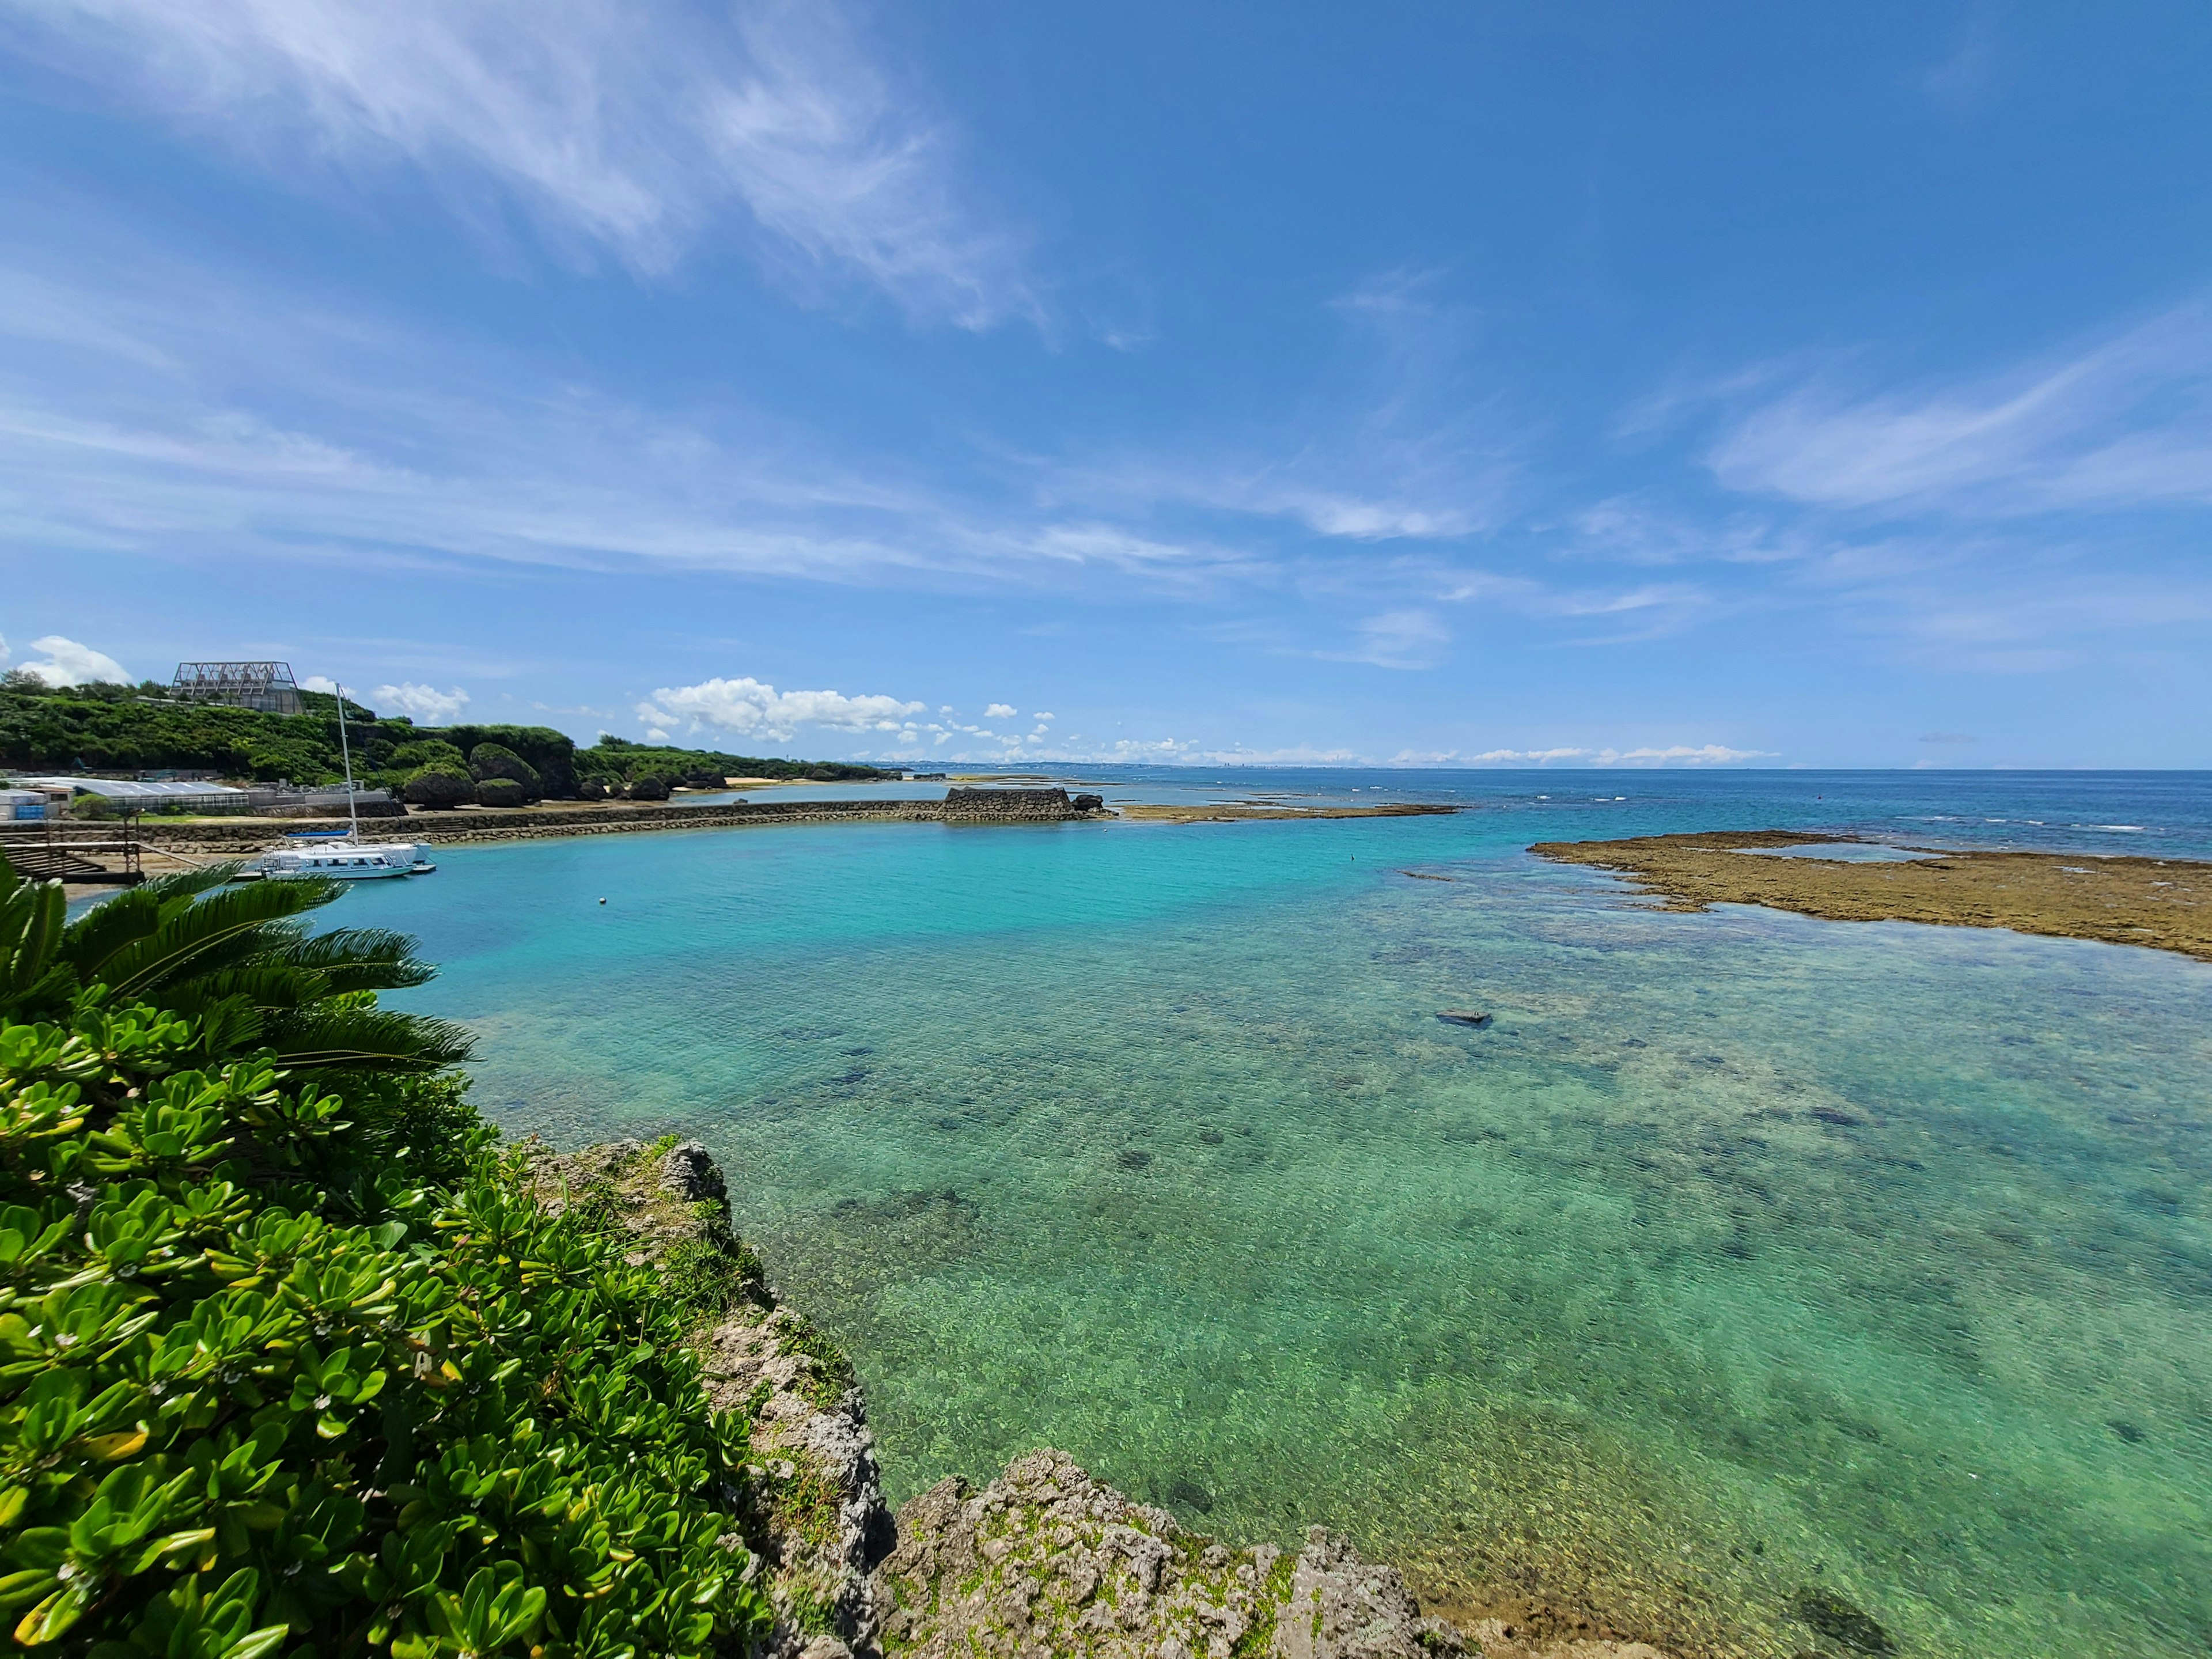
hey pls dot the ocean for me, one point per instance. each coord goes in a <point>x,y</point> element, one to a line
<point>1745,1269</point>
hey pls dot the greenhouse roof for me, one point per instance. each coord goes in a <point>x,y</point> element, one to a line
<point>127,789</point>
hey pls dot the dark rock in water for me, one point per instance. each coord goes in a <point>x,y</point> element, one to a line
<point>1827,1115</point>
<point>1088,803</point>
<point>1131,1158</point>
<point>1464,1017</point>
<point>1187,1494</point>
<point>1634,1043</point>
<point>1211,1137</point>
<point>2127,1431</point>
<point>1839,1621</point>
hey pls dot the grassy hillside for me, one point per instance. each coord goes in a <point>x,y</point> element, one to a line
<point>124,728</point>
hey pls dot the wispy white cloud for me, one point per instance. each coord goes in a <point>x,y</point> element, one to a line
<point>1404,639</point>
<point>2124,422</point>
<point>1965,81</point>
<point>183,409</point>
<point>636,125</point>
<point>1400,438</point>
<point>1680,754</point>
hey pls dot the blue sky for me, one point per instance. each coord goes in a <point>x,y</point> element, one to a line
<point>1456,384</point>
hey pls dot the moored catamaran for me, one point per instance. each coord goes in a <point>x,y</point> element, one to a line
<point>340,856</point>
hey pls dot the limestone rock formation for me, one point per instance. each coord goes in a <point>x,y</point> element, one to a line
<point>1043,1563</point>
<point>814,1514</point>
<point>1046,1561</point>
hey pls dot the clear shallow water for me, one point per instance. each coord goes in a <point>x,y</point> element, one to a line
<point>1741,1253</point>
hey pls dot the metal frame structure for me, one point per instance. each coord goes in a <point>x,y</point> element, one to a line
<point>266,686</point>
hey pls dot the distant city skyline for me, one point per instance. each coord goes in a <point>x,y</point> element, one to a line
<point>1424,386</point>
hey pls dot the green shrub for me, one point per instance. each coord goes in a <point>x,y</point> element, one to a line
<point>500,792</point>
<point>424,751</point>
<point>440,788</point>
<point>300,1368</point>
<point>493,760</point>
<point>231,1426</point>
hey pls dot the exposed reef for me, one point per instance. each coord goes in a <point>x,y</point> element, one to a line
<point>1042,1563</point>
<point>2163,903</point>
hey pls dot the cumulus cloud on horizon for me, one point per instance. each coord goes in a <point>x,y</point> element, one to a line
<point>423,704</point>
<point>751,708</point>
<point>67,662</point>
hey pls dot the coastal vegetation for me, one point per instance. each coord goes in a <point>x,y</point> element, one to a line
<point>611,761</point>
<point>135,728</point>
<point>292,1361</point>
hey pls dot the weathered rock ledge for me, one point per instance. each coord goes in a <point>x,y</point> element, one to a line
<point>1043,1562</point>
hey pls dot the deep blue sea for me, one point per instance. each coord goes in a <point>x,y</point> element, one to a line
<point>1743,1258</point>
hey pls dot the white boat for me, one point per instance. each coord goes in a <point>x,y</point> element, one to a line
<point>343,860</point>
<point>340,858</point>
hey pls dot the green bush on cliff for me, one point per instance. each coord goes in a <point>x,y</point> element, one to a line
<point>424,751</point>
<point>440,787</point>
<point>488,761</point>
<point>290,1362</point>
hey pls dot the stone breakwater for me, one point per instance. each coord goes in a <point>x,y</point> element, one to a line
<point>466,826</point>
<point>1042,1562</point>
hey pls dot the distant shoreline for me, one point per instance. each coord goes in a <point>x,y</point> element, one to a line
<point>2163,903</point>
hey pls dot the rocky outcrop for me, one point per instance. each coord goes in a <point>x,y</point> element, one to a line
<point>1045,1562</point>
<point>1042,1562</point>
<point>814,1512</point>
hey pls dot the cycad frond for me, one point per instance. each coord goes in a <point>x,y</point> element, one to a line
<point>359,959</point>
<point>259,982</point>
<point>377,1038</point>
<point>192,931</point>
<point>135,913</point>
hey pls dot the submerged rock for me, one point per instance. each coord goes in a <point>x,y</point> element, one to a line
<point>1839,1621</point>
<point>1464,1017</point>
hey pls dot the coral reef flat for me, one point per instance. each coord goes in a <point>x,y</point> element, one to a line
<point>2165,903</point>
<point>1749,1276</point>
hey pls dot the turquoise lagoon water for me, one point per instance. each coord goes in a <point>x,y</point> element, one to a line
<point>1742,1256</point>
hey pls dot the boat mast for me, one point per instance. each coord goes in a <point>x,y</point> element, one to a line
<point>345,749</point>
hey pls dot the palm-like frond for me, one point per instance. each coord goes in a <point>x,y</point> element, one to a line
<point>258,983</point>
<point>377,1038</point>
<point>135,913</point>
<point>189,930</point>
<point>359,959</point>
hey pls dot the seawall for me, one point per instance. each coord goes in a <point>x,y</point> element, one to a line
<point>466,826</point>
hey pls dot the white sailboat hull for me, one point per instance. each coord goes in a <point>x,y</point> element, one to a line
<point>342,861</point>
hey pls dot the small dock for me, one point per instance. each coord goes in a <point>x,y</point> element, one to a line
<point>81,854</point>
